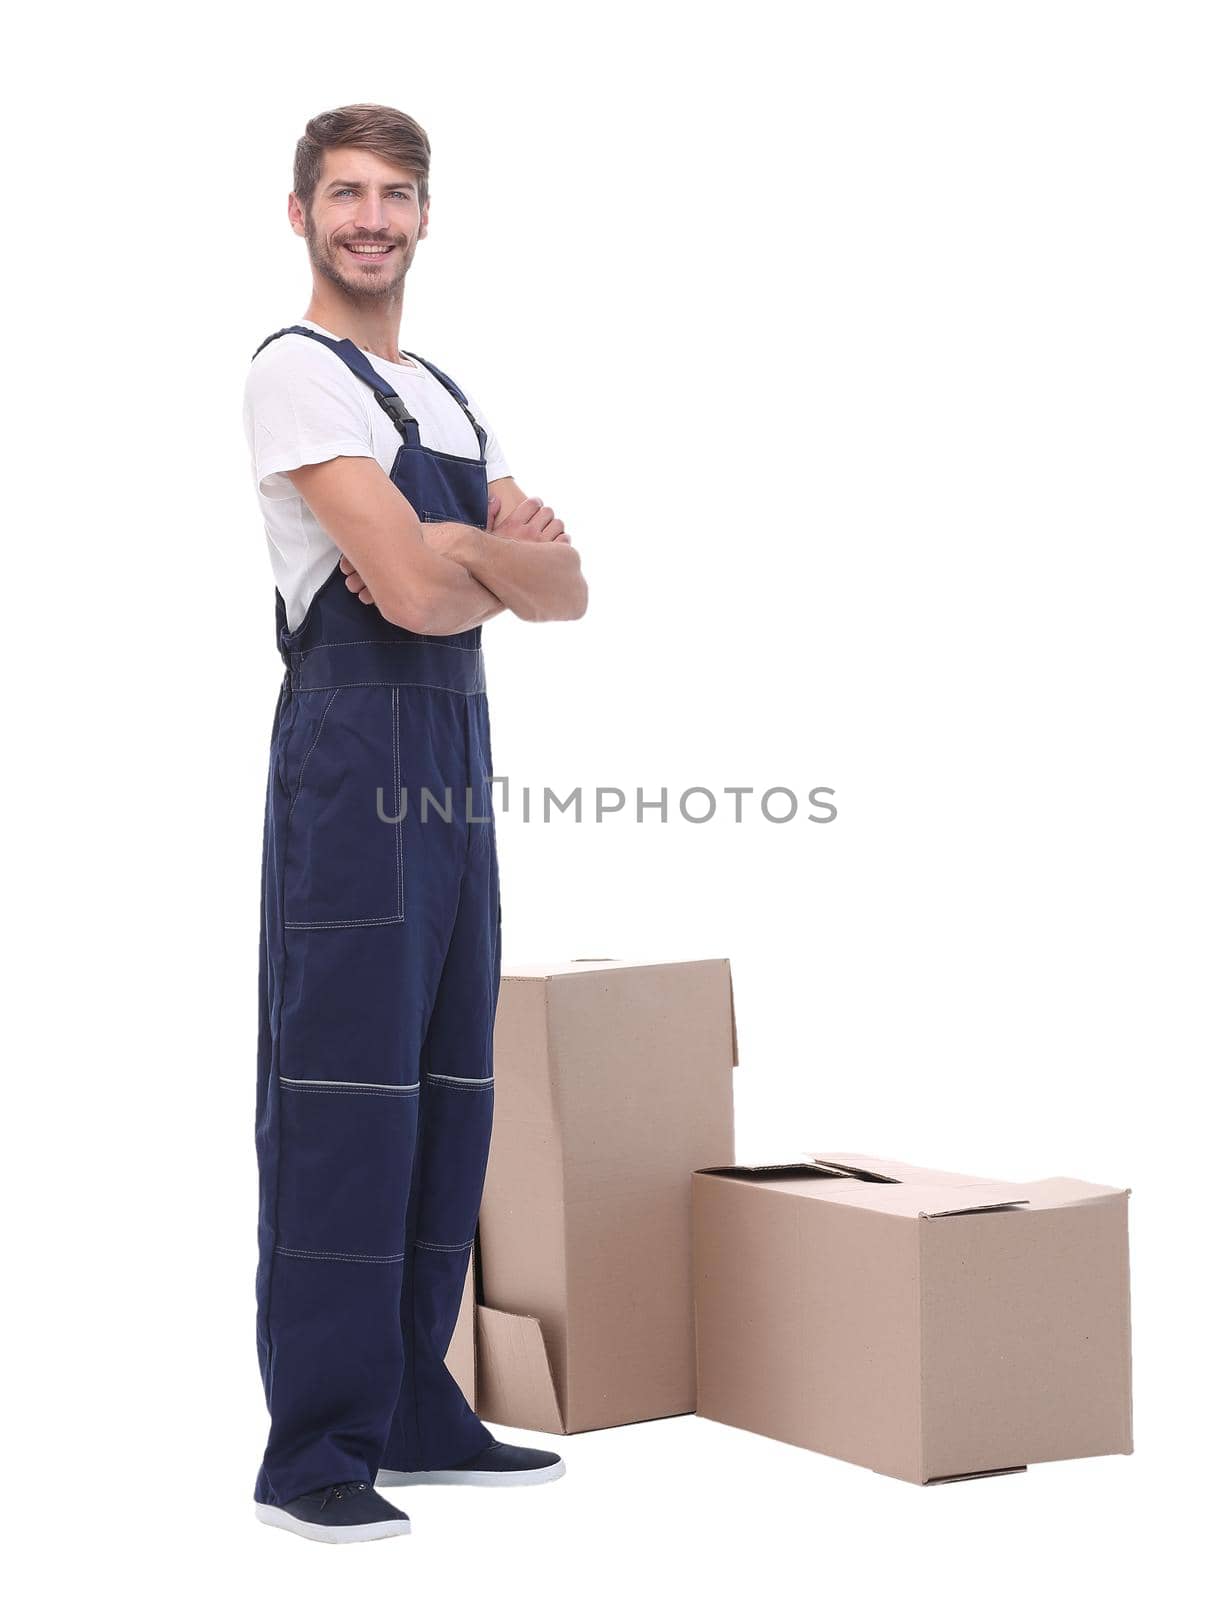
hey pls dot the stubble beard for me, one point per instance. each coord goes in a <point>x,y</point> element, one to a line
<point>323,260</point>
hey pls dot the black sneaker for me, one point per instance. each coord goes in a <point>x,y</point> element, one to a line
<point>346,1513</point>
<point>497,1466</point>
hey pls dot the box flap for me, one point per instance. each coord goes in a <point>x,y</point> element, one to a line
<point>514,1378</point>
<point>921,1199</point>
<point>886,1169</point>
<point>975,1203</point>
<point>1048,1192</point>
<point>873,1184</point>
<point>968,1477</point>
<point>772,1173</point>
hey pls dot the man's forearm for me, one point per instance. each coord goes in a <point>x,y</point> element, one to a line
<point>540,582</point>
<point>458,601</point>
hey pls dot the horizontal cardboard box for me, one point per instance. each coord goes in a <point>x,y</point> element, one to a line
<point>612,1083</point>
<point>930,1325</point>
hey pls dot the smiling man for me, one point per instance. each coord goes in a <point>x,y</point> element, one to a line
<point>395,531</point>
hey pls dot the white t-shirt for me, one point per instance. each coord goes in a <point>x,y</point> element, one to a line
<point>302,404</point>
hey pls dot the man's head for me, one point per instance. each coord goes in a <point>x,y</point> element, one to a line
<point>360,197</point>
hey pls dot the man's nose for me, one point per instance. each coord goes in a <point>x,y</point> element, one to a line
<point>370,214</point>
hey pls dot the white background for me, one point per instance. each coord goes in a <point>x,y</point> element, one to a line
<point>860,347</point>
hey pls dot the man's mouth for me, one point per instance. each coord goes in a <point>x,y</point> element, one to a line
<point>368,252</point>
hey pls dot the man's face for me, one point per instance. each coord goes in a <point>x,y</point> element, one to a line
<point>363,224</point>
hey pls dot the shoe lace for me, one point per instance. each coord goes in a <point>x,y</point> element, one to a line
<point>342,1491</point>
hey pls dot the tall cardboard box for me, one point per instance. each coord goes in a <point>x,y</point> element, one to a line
<point>927,1324</point>
<point>612,1083</point>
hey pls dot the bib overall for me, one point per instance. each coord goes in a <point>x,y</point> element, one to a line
<point>379,975</point>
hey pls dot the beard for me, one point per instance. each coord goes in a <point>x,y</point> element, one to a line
<point>379,286</point>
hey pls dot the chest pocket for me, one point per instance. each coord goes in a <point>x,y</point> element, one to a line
<point>344,862</point>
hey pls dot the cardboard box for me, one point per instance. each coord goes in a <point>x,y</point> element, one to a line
<point>612,1083</point>
<point>929,1325</point>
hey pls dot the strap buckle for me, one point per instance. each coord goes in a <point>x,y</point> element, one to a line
<point>394,408</point>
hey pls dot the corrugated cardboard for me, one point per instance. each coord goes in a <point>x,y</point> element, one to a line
<point>461,1357</point>
<point>930,1325</point>
<point>612,1083</point>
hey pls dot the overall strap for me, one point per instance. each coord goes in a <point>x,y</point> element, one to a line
<point>354,358</point>
<point>457,394</point>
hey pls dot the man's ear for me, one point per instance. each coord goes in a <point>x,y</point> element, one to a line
<point>422,229</point>
<point>296,215</point>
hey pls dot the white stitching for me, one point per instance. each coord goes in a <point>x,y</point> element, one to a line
<point>313,747</point>
<point>343,644</point>
<point>422,1244</point>
<point>334,1255</point>
<point>344,1083</point>
<point>359,922</point>
<point>349,1083</point>
<point>383,683</point>
<point>364,1094</point>
<point>304,764</point>
<point>443,1077</point>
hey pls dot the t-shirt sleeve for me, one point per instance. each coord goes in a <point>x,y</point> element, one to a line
<point>495,461</point>
<point>301,405</point>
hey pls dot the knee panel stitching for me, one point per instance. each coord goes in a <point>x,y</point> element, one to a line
<point>334,1086</point>
<point>334,1255</point>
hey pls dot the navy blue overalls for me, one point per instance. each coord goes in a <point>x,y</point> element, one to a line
<point>379,974</point>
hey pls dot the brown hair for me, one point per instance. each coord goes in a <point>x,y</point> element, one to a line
<point>387,133</point>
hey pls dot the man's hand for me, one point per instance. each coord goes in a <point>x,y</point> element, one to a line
<point>531,519</point>
<point>355,582</point>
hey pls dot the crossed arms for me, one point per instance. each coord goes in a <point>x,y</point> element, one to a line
<point>443,577</point>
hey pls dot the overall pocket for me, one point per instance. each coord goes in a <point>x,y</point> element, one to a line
<point>346,1155</point>
<point>455,1123</point>
<point>343,843</point>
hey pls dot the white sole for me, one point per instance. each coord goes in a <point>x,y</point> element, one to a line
<point>482,1480</point>
<point>275,1517</point>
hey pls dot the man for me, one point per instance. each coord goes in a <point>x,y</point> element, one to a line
<point>381,918</point>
